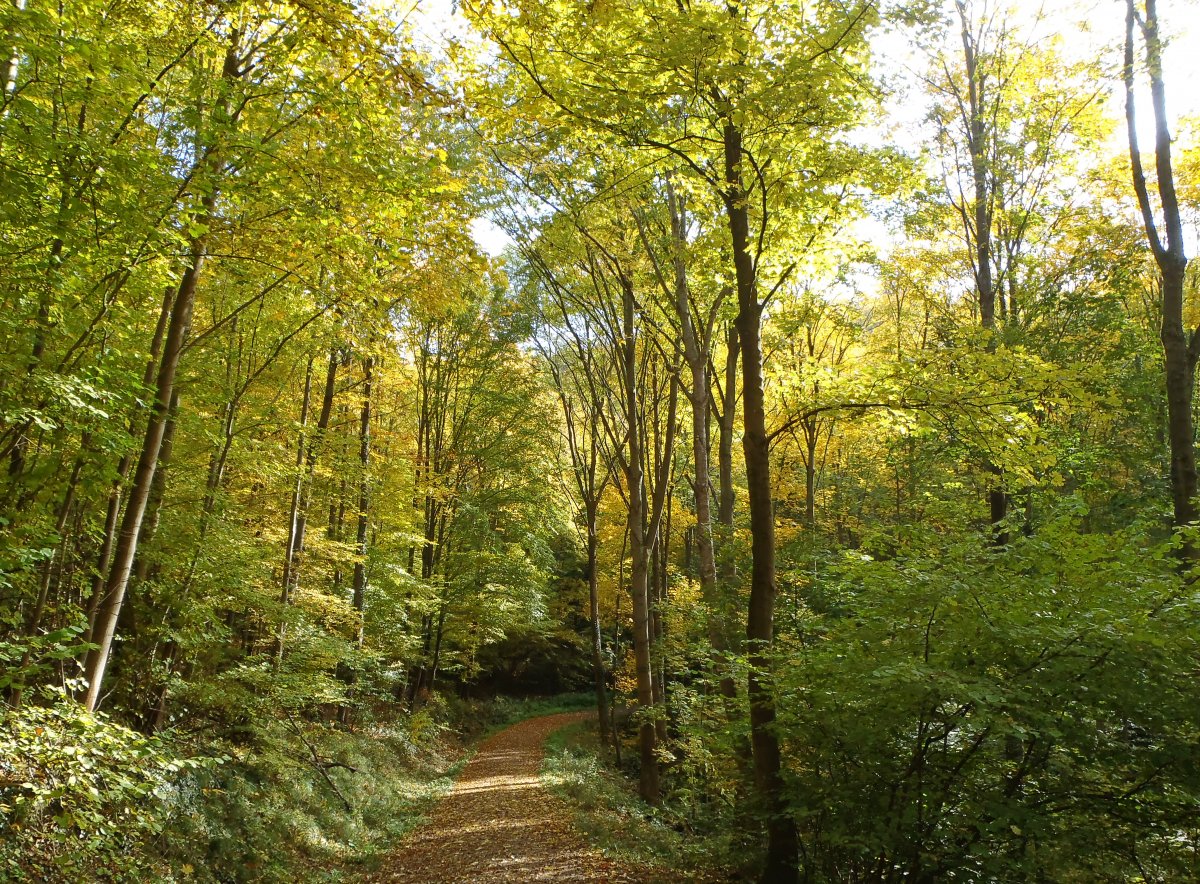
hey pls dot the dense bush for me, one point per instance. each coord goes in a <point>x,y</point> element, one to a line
<point>308,798</point>
<point>81,795</point>
<point>1021,715</point>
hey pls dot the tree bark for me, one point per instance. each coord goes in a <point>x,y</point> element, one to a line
<point>113,512</point>
<point>289,552</point>
<point>597,636</point>
<point>697,352</point>
<point>1180,351</point>
<point>639,548</point>
<point>364,496</point>
<point>782,836</point>
<point>725,553</point>
<point>109,607</point>
<point>726,562</point>
<point>977,147</point>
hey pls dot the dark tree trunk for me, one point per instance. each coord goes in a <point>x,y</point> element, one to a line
<point>810,473</point>
<point>726,560</point>
<point>782,837</point>
<point>985,288</point>
<point>364,496</point>
<point>306,465</point>
<point>697,351</point>
<point>598,673</point>
<point>1180,351</point>
<point>639,547</point>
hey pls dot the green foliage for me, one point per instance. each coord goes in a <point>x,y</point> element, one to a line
<point>360,513</point>
<point>608,811</point>
<point>80,795</point>
<point>269,815</point>
<point>34,657</point>
<point>998,716</point>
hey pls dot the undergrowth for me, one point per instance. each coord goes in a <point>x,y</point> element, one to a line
<point>271,814</point>
<point>611,816</point>
<point>291,799</point>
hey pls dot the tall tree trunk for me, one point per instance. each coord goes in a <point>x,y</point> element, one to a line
<point>585,462</point>
<point>725,553</point>
<point>437,646</point>
<point>639,548</point>
<point>13,63</point>
<point>782,837</point>
<point>364,496</point>
<point>810,473</point>
<point>985,288</point>
<point>662,547</point>
<point>113,512</point>
<point>726,561</point>
<point>109,608</point>
<point>697,352</point>
<point>598,674</point>
<point>289,552</point>
<point>1180,351</point>
<point>306,453</point>
<point>158,490</point>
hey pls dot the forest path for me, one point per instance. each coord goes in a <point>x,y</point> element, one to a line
<point>499,825</point>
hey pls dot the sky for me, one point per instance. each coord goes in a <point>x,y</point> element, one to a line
<point>1092,28</point>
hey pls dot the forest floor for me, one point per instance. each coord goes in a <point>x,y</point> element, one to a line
<point>499,825</point>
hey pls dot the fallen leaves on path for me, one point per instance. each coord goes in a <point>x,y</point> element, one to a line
<point>499,826</point>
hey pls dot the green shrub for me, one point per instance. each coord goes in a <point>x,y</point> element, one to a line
<point>80,794</point>
<point>1022,715</point>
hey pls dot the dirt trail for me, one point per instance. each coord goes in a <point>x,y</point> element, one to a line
<point>499,826</point>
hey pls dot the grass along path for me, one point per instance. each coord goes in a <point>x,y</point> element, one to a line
<point>499,825</point>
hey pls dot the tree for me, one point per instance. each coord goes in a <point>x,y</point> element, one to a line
<point>1011,111</point>
<point>207,173</point>
<point>1180,350</point>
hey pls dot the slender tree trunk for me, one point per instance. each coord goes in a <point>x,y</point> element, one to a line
<point>364,496</point>
<point>1179,360</point>
<point>656,635</point>
<point>113,512</point>
<point>1180,352</point>
<point>782,837</point>
<point>662,548</point>
<point>617,652</point>
<point>585,461</point>
<point>725,554</point>
<point>810,474</point>
<point>437,646</point>
<point>158,490</point>
<point>289,552</point>
<point>977,146</point>
<point>598,674</point>
<point>696,352</point>
<point>726,562</point>
<point>109,608</point>
<point>306,454</point>
<point>13,64</point>
<point>639,577</point>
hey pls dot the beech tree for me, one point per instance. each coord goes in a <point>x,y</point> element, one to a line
<point>1180,350</point>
